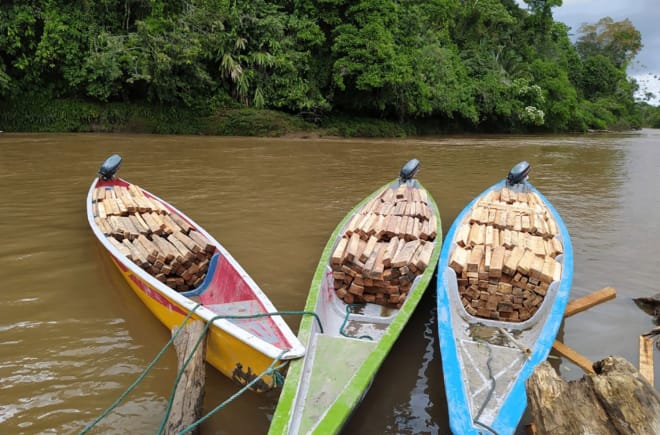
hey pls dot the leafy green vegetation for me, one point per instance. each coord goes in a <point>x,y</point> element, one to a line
<point>339,67</point>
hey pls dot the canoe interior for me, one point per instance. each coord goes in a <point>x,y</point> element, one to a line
<point>487,361</point>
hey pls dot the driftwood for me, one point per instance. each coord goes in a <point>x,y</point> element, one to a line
<point>615,400</point>
<point>577,306</point>
<point>189,396</point>
<point>651,306</point>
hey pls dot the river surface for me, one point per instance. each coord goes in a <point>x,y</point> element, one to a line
<point>74,337</point>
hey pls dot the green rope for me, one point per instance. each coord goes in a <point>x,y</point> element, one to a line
<point>348,312</point>
<point>278,379</point>
<point>139,379</point>
<point>201,337</point>
<point>270,369</point>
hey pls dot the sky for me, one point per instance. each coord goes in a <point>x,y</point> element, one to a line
<point>645,16</point>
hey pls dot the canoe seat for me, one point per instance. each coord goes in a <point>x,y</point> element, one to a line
<point>240,308</point>
<point>262,327</point>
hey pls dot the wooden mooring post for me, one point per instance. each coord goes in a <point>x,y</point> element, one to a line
<point>614,397</point>
<point>189,396</point>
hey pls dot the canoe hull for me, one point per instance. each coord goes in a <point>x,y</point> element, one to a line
<point>338,366</point>
<point>226,353</point>
<point>240,348</point>
<point>485,383</point>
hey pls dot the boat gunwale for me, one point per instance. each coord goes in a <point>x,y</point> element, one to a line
<point>509,414</point>
<point>297,349</point>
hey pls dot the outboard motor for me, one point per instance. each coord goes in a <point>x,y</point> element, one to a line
<point>518,173</point>
<point>408,171</point>
<point>110,167</point>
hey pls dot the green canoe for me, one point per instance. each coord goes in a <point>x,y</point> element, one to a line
<point>371,275</point>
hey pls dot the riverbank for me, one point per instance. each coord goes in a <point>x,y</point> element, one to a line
<point>38,115</point>
<point>66,116</point>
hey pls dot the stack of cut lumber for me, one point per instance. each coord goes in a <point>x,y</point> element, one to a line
<point>385,245</point>
<point>150,235</point>
<point>504,256</point>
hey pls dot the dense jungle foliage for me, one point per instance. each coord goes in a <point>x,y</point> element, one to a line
<point>273,66</point>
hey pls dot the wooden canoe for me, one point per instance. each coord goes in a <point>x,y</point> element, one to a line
<point>500,306</point>
<point>173,264</point>
<point>358,327</point>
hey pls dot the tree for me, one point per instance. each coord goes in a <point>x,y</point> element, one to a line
<point>620,41</point>
<point>541,18</point>
<point>599,77</point>
<point>367,59</point>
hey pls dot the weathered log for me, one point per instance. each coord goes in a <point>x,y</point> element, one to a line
<point>615,400</point>
<point>189,396</point>
<point>650,305</point>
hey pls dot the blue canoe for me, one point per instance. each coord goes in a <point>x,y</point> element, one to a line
<point>501,296</point>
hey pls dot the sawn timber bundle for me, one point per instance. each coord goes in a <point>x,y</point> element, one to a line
<point>505,258</point>
<point>158,241</point>
<point>384,247</point>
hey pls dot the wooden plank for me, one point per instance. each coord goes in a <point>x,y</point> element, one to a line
<point>171,226</point>
<point>183,249</point>
<point>369,249</point>
<point>190,243</point>
<point>181,222</point>
<point>425,256</point>
<point>143,253</point>
<point>137,256</point>
<point>378,268</point>
<point>340,251</point>
<point>497,262</point>
<point>433,226</point>
<point>167,249</point>
<point>462,235</point>
<point>120,246</point>
<point>525,262</point>
<point>585,302</point>
<point>646,358</point>
<point>548,270</point>
<point>151,248</point>
<point>475,258</point>
<point>353,245</point>
<point>370,262</point>
<point>578,359</point>
<point>405,255</point>
<point>201,241</point>
<point>459,258</point>
<point>392,246</point>
<point>353,224</point>
<point>154,226</point>
<point>510,264</point>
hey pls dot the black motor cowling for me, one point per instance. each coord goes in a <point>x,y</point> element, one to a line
<point>518,173</point>
<point>409,170</point>
<point>110,167</point>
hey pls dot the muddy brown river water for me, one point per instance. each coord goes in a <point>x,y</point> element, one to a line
<point>74,337</point>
